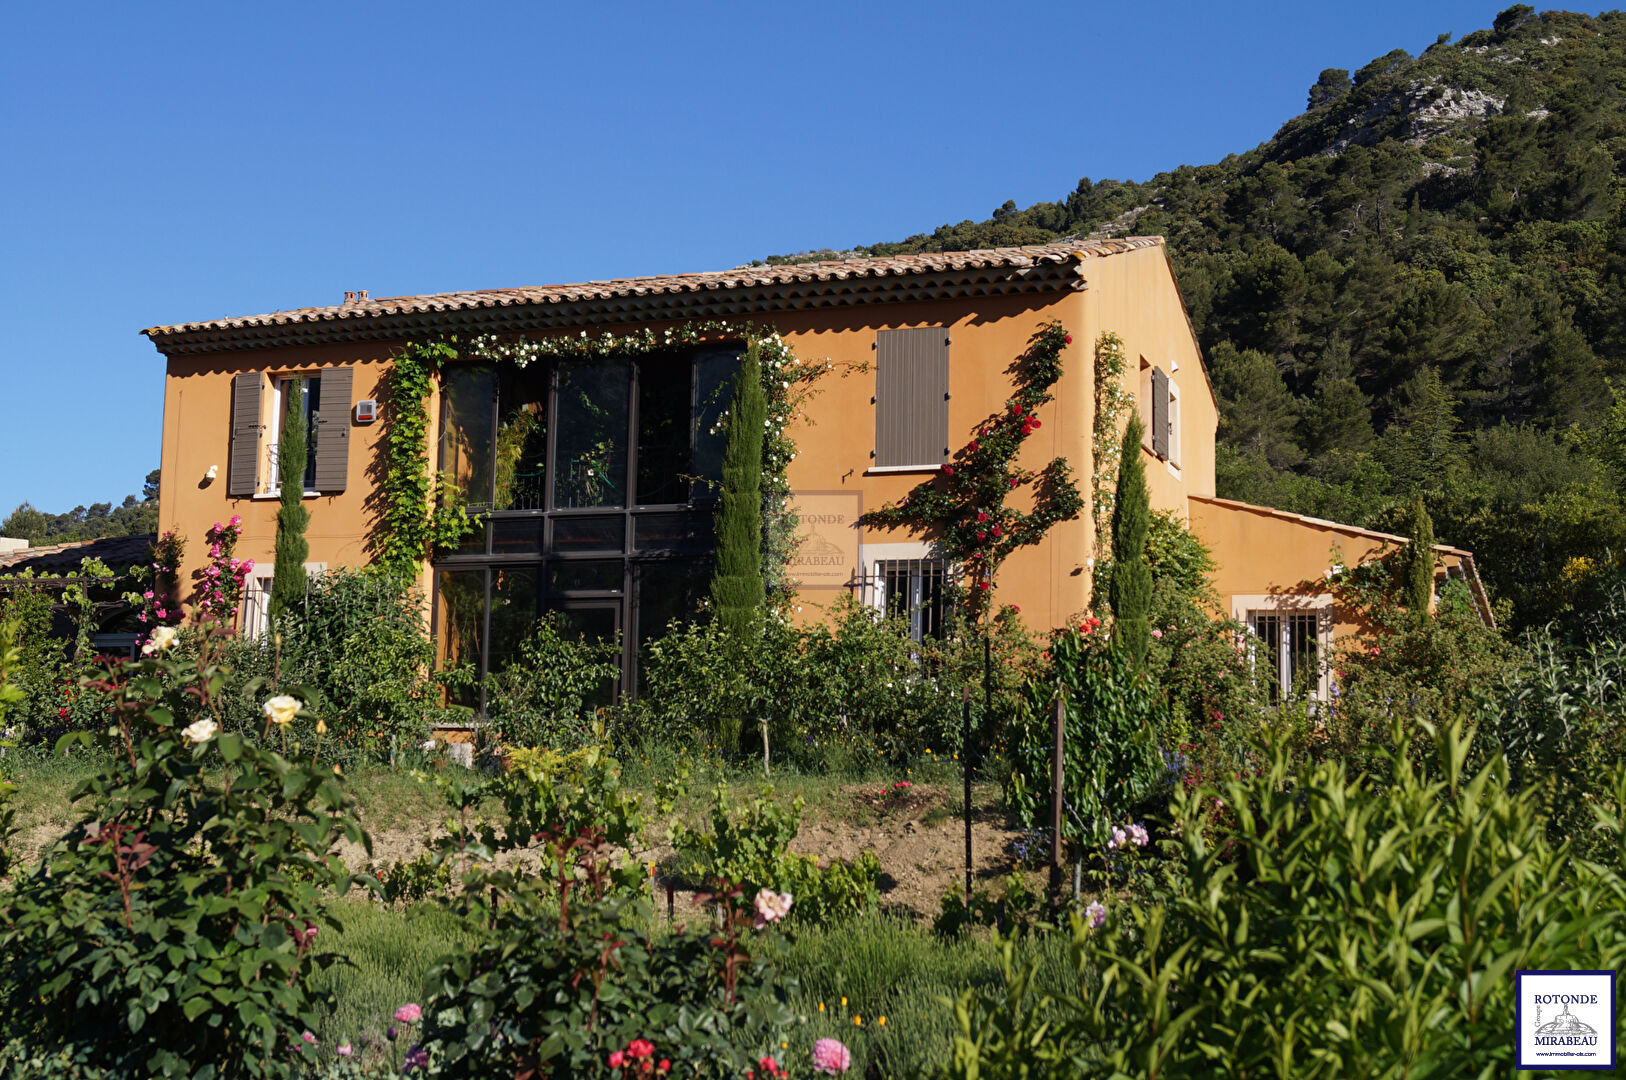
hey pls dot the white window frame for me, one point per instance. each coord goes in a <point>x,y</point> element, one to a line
<point>874,557</point>
<point>1174,426</point>
<point>256,615</point>
<point>271,478</point>
<point>1247,609</point>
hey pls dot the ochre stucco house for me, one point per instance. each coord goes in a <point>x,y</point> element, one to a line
<point>919,345</point>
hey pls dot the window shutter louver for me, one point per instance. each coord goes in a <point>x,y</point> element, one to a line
<point>911,397</point>
<point>1160,413</point>
<point>242,472</point>
<point>333,430</point>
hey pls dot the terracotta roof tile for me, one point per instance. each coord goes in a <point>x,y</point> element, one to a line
<point>115,551</point>
<point>744,289</point>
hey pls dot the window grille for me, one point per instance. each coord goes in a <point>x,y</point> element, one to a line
<point>1288,645</point>
<point>914,590</point>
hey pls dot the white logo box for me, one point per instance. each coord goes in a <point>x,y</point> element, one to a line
<point>1566,1019</point>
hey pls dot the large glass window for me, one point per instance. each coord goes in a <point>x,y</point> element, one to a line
<point>467,396</point>
<point>520,459</point>
<point>593,486</point>
<point>592,437</point>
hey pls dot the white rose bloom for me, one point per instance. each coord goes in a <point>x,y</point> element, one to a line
<point>282,709</point>
<point>162,639</point>
<point>201,731</point>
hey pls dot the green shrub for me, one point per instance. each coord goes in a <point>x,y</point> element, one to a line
<point>539,698</point>
<point>749,846</point>
<point>1113,713</point>
<point>171,930</point>
<point>359,642</point>
<point>855,682</point>
<point>10,696</point>
<point>565,972</point>
<point>1344,927</point>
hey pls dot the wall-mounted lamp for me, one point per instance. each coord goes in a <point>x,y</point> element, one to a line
<point>214,471</point>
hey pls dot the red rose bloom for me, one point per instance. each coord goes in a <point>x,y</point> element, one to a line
<point>948,470</point>
<point>983,585</point>
<point>980,536</point>
<point>1068,340</point>
<point>981,516</point>
<point>973,446</point>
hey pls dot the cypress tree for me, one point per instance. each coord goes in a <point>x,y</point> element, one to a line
<point>1417,563</point>
<point>288,581</point>
<point>736,583</point>
<point>1131,588</point>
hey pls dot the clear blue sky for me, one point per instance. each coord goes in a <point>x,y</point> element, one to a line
<point>163,163</point>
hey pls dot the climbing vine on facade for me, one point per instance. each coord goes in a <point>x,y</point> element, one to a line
<point>966,505</point>
<point>417,513</point>
<point>421,515</point>
<point>1111,399</point>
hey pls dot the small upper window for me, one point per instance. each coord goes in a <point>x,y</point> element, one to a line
<point>307,393</point>
<point>911,398</point>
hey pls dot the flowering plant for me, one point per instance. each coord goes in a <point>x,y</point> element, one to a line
<point>966,506</point>
<point>222,578</point>
<point>199,856</point>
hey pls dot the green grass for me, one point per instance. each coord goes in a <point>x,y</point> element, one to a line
<point>881,965</point>
<point>888,967</point>
<point>388,951</point>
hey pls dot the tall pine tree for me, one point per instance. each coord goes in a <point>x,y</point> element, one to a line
<point>1417,563</point>
<point>1131,588</point>
<point>736,583</point>
<point>288,581</point>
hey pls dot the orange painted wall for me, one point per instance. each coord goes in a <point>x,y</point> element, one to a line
<point>1131,293</point>
<point>1134,295</point>
<point>1259,552</point>
<point>197,435</point>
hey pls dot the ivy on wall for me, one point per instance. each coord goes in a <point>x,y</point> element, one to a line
<point>419,515</point>
<point>416,513</point>
<point>966,505</point>
<point>1111,399</point>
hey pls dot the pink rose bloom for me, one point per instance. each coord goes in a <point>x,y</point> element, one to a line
<point>1157,633</point>
<point>1095,914</point>
<point>408,1014</point>
<point>248,564</point>
<point>1138,834</point>
<point>308,1037</point>
<point>344,1050</point>
<point>1119,839</point>
<point>771,907</point>
<point>831,1056</point>
<point>236,520</point>
<point>616,1058</point>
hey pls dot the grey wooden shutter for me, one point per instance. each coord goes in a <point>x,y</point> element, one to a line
<point>333,430</point>
<point>1160,413</point>
<point>911,397</point>
<point>243,472</point>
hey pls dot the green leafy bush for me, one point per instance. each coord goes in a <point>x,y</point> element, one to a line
<point>856,681</point>
<point>1113,713</point>
<point>568,971</point>
<point>172,930</point>
<point>1343,927</point>
<point>539,698</point>
<point>359,644</point>
<point>749,846</point>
